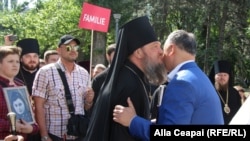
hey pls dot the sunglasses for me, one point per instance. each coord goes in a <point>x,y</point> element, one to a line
<point>72,48</point>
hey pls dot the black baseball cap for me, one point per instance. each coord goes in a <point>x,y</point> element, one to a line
<point>65,39</point>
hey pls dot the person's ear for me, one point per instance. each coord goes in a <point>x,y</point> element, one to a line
<point>171,49</point>
<point>139,53</point>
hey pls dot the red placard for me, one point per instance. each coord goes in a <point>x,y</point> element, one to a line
<point>94,17</point>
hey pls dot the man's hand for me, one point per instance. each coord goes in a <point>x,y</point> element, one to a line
<point>88,98</point>
<point>124,115</point>
<point>89,95</point>
<point>7,41</point>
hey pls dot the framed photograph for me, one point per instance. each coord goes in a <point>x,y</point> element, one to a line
<point>18,101</point>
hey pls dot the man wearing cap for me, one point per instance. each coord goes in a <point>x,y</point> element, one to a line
<point>136,64</point>
<point>51,108</point>
<point>189,98</point>
<point>221,76</point>
<point>29,61</point>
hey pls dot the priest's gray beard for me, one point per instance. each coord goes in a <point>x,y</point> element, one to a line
<point>155,73</point>
<point>220,87</point>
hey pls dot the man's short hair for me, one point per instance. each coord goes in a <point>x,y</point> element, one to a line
<point>111,48</point>
<point>48,53</point>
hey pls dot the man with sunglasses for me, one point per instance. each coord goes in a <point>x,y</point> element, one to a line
<point>51,108</point>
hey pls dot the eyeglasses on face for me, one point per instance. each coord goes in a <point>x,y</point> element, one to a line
<point>72,48</point>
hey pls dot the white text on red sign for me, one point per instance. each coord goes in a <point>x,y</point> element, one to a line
<point>93,19</point>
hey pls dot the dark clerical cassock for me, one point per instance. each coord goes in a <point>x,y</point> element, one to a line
<point>230,99</point>
<point>28,45</point>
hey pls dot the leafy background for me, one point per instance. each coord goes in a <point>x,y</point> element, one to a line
<point>221,27</point>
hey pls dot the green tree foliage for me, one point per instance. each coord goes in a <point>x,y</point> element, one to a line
<point>47,23</point>
<point>221,27</point>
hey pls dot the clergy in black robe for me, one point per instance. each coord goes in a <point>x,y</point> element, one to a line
<point>124,79</point>
<point>28,69</point>
<point>27,77</point>
<point>229,96</point>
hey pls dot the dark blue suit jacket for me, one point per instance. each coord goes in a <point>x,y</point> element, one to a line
<point>189,98</point>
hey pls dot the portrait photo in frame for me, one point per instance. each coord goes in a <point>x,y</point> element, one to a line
<point>18,101</point>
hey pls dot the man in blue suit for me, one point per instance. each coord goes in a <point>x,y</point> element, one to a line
<point>189,98</point>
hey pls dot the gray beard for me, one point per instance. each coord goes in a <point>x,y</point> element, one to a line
<point>155,73</point>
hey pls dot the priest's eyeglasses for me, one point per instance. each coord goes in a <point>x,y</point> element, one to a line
<point>72,48</point>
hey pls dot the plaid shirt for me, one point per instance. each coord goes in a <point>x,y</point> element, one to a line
<point>4,122</point>
<point>48,85</point>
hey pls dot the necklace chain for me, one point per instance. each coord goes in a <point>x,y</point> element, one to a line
<point>226,107</point>
<point>148,93</point>
<point>225,103</point>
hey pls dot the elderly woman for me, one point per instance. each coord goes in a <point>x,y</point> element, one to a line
<point>9,68</point>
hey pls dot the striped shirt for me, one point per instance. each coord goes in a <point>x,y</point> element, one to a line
<point>48,85</point>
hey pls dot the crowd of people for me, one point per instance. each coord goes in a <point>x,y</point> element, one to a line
<point>118,99</point>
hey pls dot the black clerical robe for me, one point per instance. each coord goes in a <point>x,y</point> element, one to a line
<point>27,78</point>
<point>234,103</point>
<point>129,83</point>
<point>98,81</point>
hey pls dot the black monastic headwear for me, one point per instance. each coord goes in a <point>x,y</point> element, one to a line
<point>137,33</point>
<point>221,66</point>
<point>28,45</point>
